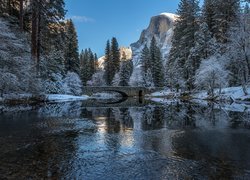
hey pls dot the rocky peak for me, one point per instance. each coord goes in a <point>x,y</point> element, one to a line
<point>125,55</point>
<point>161,27</point>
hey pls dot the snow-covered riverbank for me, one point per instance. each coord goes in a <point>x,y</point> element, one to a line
<point>230,95</point>
<point>65,98</point>
<point>30,99</point>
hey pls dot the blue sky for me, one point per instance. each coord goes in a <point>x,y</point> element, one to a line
<point>97,21</point>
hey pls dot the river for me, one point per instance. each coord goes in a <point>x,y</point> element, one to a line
<point>176,140</point>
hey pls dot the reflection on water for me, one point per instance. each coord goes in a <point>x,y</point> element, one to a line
<point>69,140</point>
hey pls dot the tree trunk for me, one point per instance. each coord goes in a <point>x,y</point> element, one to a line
<point>34,32</point>
<point>21,14</point>
<point>9,7</point>
<point>38,42</point>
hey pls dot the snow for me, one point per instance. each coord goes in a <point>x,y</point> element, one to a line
<point>163,39</point>
<point>65,98</point>
<point>163,100</point>
<point>235,94</point>
<point>161,93</point>
<point>171,16</point>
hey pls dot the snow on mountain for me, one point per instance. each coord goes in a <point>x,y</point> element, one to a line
<point>161,27</point>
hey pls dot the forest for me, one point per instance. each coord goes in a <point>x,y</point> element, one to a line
<point>40,54</point>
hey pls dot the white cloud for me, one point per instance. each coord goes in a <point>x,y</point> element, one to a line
<point>83,19</point>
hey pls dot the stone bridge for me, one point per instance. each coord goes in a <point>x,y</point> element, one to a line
<point>125,91</point>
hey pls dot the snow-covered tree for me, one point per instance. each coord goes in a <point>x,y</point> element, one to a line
<point>17,72</point>
<point>148,79</point>
<point>8,83</point>
<point>136,78</point>
<point>211,75</point>
<point>71,48</point>
<point>238,51</point>
<point>74,84</point>
<point>55,85</point>
<point>204,47</point>
<point>52,70</point>
<point>225,13</point>
<point>125,72</point>
<point>116,80</point>
<point>183,41</point>
<point>145,59</point>
<point>97,79</point>
<point>146,66</point>
<point>87,65</point>
<point>156,64</point>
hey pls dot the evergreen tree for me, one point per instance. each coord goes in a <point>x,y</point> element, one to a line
<point>204,47</point>
<point>208,14</point>
<point>71,48</point>
<point>183,41</point>
<point>87,68</point>
<point>148,79</point>
<point>45,18</point>
<point>91,64</point>
<point>145,58</point>
<point>84,67</point>
<point>115,55</point>
<point>112,61</point>
<point>225,14</point>
<point>125,72</point>
<point>238,51</point>
<point>108,65</point>
<point>156,64</point>
<point>146,67</point>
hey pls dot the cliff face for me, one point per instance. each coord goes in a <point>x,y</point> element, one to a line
<point>161,27</point>
<point>125,54</point>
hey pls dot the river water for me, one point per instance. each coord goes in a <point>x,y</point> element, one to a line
<point>154,141</point>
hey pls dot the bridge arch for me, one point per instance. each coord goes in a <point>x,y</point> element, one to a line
<point>124,90</point>
<point>119,92</point>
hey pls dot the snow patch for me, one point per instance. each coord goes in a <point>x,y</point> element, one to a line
<point>65,98</point>
<point>230,93</point>
<point>171,16</point>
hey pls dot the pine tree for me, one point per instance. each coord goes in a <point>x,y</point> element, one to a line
<point>84,66</point>
<point>45,18</point>
<point>183,41</point>
<point>87,65</point>
<point>145,58</point>
<point>91,64</point>
<point>238,51</point>
<point>125,72</point>
<point>71,48</point>
<point>146,67</point>
<point>114,58</point>
<point>225,14</point>
<point>208,14</point>
<point>204,47</point>
<point>156,64</point>
<point>107,75</point>
<point>148,79</point>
